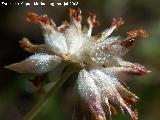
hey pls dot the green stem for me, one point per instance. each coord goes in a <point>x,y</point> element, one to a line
<point>37,108</point>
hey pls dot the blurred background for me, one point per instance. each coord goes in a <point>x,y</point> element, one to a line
<point>16,96</point>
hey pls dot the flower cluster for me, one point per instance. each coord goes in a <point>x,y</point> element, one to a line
<point>98,60</point>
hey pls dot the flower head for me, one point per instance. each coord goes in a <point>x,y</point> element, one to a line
<point>99,60</point>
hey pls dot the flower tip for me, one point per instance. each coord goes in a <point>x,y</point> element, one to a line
<point>139,32</point>
<point>113,109</point>
<point>33,17</point>
<point>25,43</point>
<point>117,22</point>
<point>92,20</point>
<point>132,100</point>
<point>76,14</point>
<point>142,33</point>
<point>135,115</point>
<point>143,71</point>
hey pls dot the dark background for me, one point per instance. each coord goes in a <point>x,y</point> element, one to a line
<point>16,98</point>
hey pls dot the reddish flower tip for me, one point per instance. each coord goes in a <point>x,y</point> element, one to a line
<point>135,115</point>
<point>117,22</point>
<point>33,17</point>
<point>139,69</point>
<point>25,43</point>
<point>135,33</point>
<point>92,19</point>
<point>131,100</point>
<point>77,14</point>
<point>113,109</point>
<point>128,42</point>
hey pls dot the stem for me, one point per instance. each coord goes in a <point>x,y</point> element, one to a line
<point>37,108</point>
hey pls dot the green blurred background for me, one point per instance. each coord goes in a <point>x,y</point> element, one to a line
<point>17,98</point>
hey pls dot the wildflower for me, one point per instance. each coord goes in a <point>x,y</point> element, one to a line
<point>98,59</point>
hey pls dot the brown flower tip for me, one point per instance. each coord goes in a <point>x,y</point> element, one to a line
<point>139,69</point>
<point>33,17</point>
<point>135,115</point>
<point>99,117</point>
<point>131,99</point>
<point>117,22</point>
<point>77,14</point>
<point>135,33</point>
<point>92,20</point>
<point>128,42</point>
<point>113,109</point>
<point>25,43</point>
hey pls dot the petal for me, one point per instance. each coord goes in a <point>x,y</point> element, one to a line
<point>89,92</point>
<point>92,22</point>
<point>107,80</point>
<point>133,68</point>
<point>86,85</point>
<point>126,94</point>
<point>32,48</point>
<point>74,38</point>
<point>38,64</point>
<point>108,86</point>
<point>112,46</point>
<point>76,17</point>
<point>56,41</point>
<point>103,53</point>
<point>108,106</point>
<point>74,35</point>
<point>115,24</point>
<point>105,84</point>
<point>125,107</point>
<point>102,80</point>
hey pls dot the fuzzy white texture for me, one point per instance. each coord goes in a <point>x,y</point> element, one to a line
<point>99,58</point>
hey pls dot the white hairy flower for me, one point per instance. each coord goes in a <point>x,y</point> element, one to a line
<point>98,60</point>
